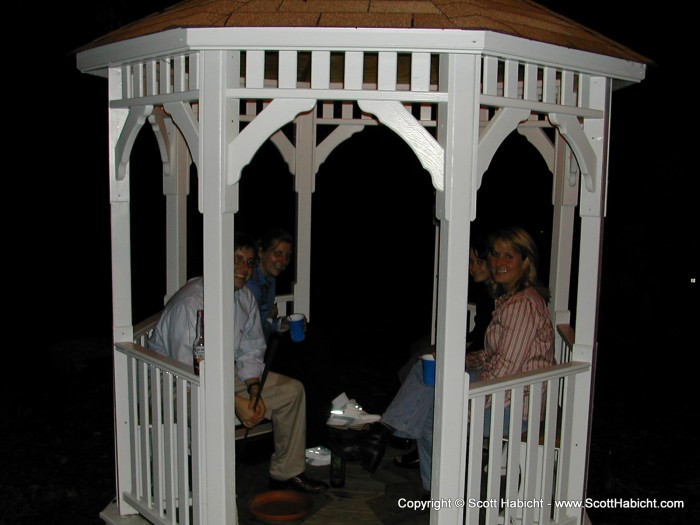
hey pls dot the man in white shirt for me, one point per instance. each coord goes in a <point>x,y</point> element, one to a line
<point>283,399</point>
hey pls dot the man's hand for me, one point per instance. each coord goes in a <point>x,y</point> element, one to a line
<point>283,324</point>
<point>246,412</point>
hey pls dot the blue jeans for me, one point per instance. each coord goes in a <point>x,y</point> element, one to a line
<point>411,415</point>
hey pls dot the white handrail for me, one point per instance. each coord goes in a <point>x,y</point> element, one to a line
<point>164,434</point>
<point>491,386</point>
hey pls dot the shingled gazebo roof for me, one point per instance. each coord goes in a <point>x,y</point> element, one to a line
<point>520,18</point>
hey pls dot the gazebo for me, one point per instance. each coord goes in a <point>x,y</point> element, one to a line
<point>216,79</point>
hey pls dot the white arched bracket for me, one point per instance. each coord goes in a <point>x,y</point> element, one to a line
<point>504,122</point>
<point>134,121</point>
<point>185,119</point>
<point>332,141</point>
<point>539,139</point>
<point>394,115</point>
<point>286,149</point>
<point>161,129</point>
<point>572,131</point>
<point>278,113</point>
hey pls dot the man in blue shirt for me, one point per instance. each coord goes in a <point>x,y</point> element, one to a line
<point>275,250</point>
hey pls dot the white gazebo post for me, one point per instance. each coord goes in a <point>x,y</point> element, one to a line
<point>458,134</point>
<point>218,117</point>
<point>592,207</point>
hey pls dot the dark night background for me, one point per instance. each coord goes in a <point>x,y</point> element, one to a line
<point>58,469</point>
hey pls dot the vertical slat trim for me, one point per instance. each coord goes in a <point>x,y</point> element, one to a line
<point>420,72</point>
<point>151,78</point>
<point>127,85</point>
<point>179,73</point>
<point>166,76</point>
<point>354,67</point>
<point>193,71</point>
<point>386,73</point>
<point>510,79</point>
<point>320,69</point>
<point>566,89</point>
<point>254,69</point>
<point>490,76</point>
<point>549,88</point>
<point>287,69</point>
<point>530,83</point>
<point>584,93</point>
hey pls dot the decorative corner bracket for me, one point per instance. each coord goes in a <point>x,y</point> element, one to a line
<point>395,116</point>
<point>572,131</point>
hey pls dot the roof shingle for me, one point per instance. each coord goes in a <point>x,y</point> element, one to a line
<point>521,18</point>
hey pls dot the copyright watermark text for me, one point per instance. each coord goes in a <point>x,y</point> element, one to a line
<point>472,503</point>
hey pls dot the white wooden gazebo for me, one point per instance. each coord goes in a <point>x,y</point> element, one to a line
<point>217,79</point>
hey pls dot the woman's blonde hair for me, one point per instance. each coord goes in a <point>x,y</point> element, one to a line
<point>525,245</point>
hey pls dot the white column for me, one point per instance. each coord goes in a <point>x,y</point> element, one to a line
<point>121,294</point>
<point>219,200</point>
<point>177,184</point>
<point>176,169</point>
<point>304,177</point>
<point>458,126</point>
<point>566,180</point>
<point>592,206</point>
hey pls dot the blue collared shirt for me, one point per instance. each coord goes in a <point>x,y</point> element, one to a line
<point>264,289</point>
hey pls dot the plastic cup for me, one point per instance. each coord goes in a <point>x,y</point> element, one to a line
<point>428,369</point>
<point>296,327</point>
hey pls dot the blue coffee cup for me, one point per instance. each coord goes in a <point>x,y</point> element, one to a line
<point>428,361</point>
<point>296,327</point>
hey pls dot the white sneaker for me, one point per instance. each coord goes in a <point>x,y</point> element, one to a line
<point>347,413</point>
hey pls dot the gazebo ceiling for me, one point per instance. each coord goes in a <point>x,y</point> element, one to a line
<point>520,18</point>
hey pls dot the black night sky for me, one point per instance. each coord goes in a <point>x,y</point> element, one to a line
<point>58,246</point>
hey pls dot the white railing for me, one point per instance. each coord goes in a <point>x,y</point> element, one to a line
<point>284,304</point>
<point>517,472</point>
<point>164,433</point>
<point>164,430</point>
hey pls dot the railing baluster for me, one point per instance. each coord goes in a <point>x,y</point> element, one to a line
<point>132,365</point>
<point>530,476</point>
<point>513,447</point>
<point>195,448</point>
<point>157,439</point>
<point>495,440</point>
<point>168,426</point>
<point>182,453</point>
<point>144,437</point>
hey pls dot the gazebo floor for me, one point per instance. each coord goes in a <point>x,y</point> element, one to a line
<point>365,498</point>
<point>371,499</point>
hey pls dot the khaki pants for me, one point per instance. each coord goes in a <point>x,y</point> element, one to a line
<point>285,403</point>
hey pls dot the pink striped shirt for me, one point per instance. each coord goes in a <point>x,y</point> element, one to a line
<point>519,338</point>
